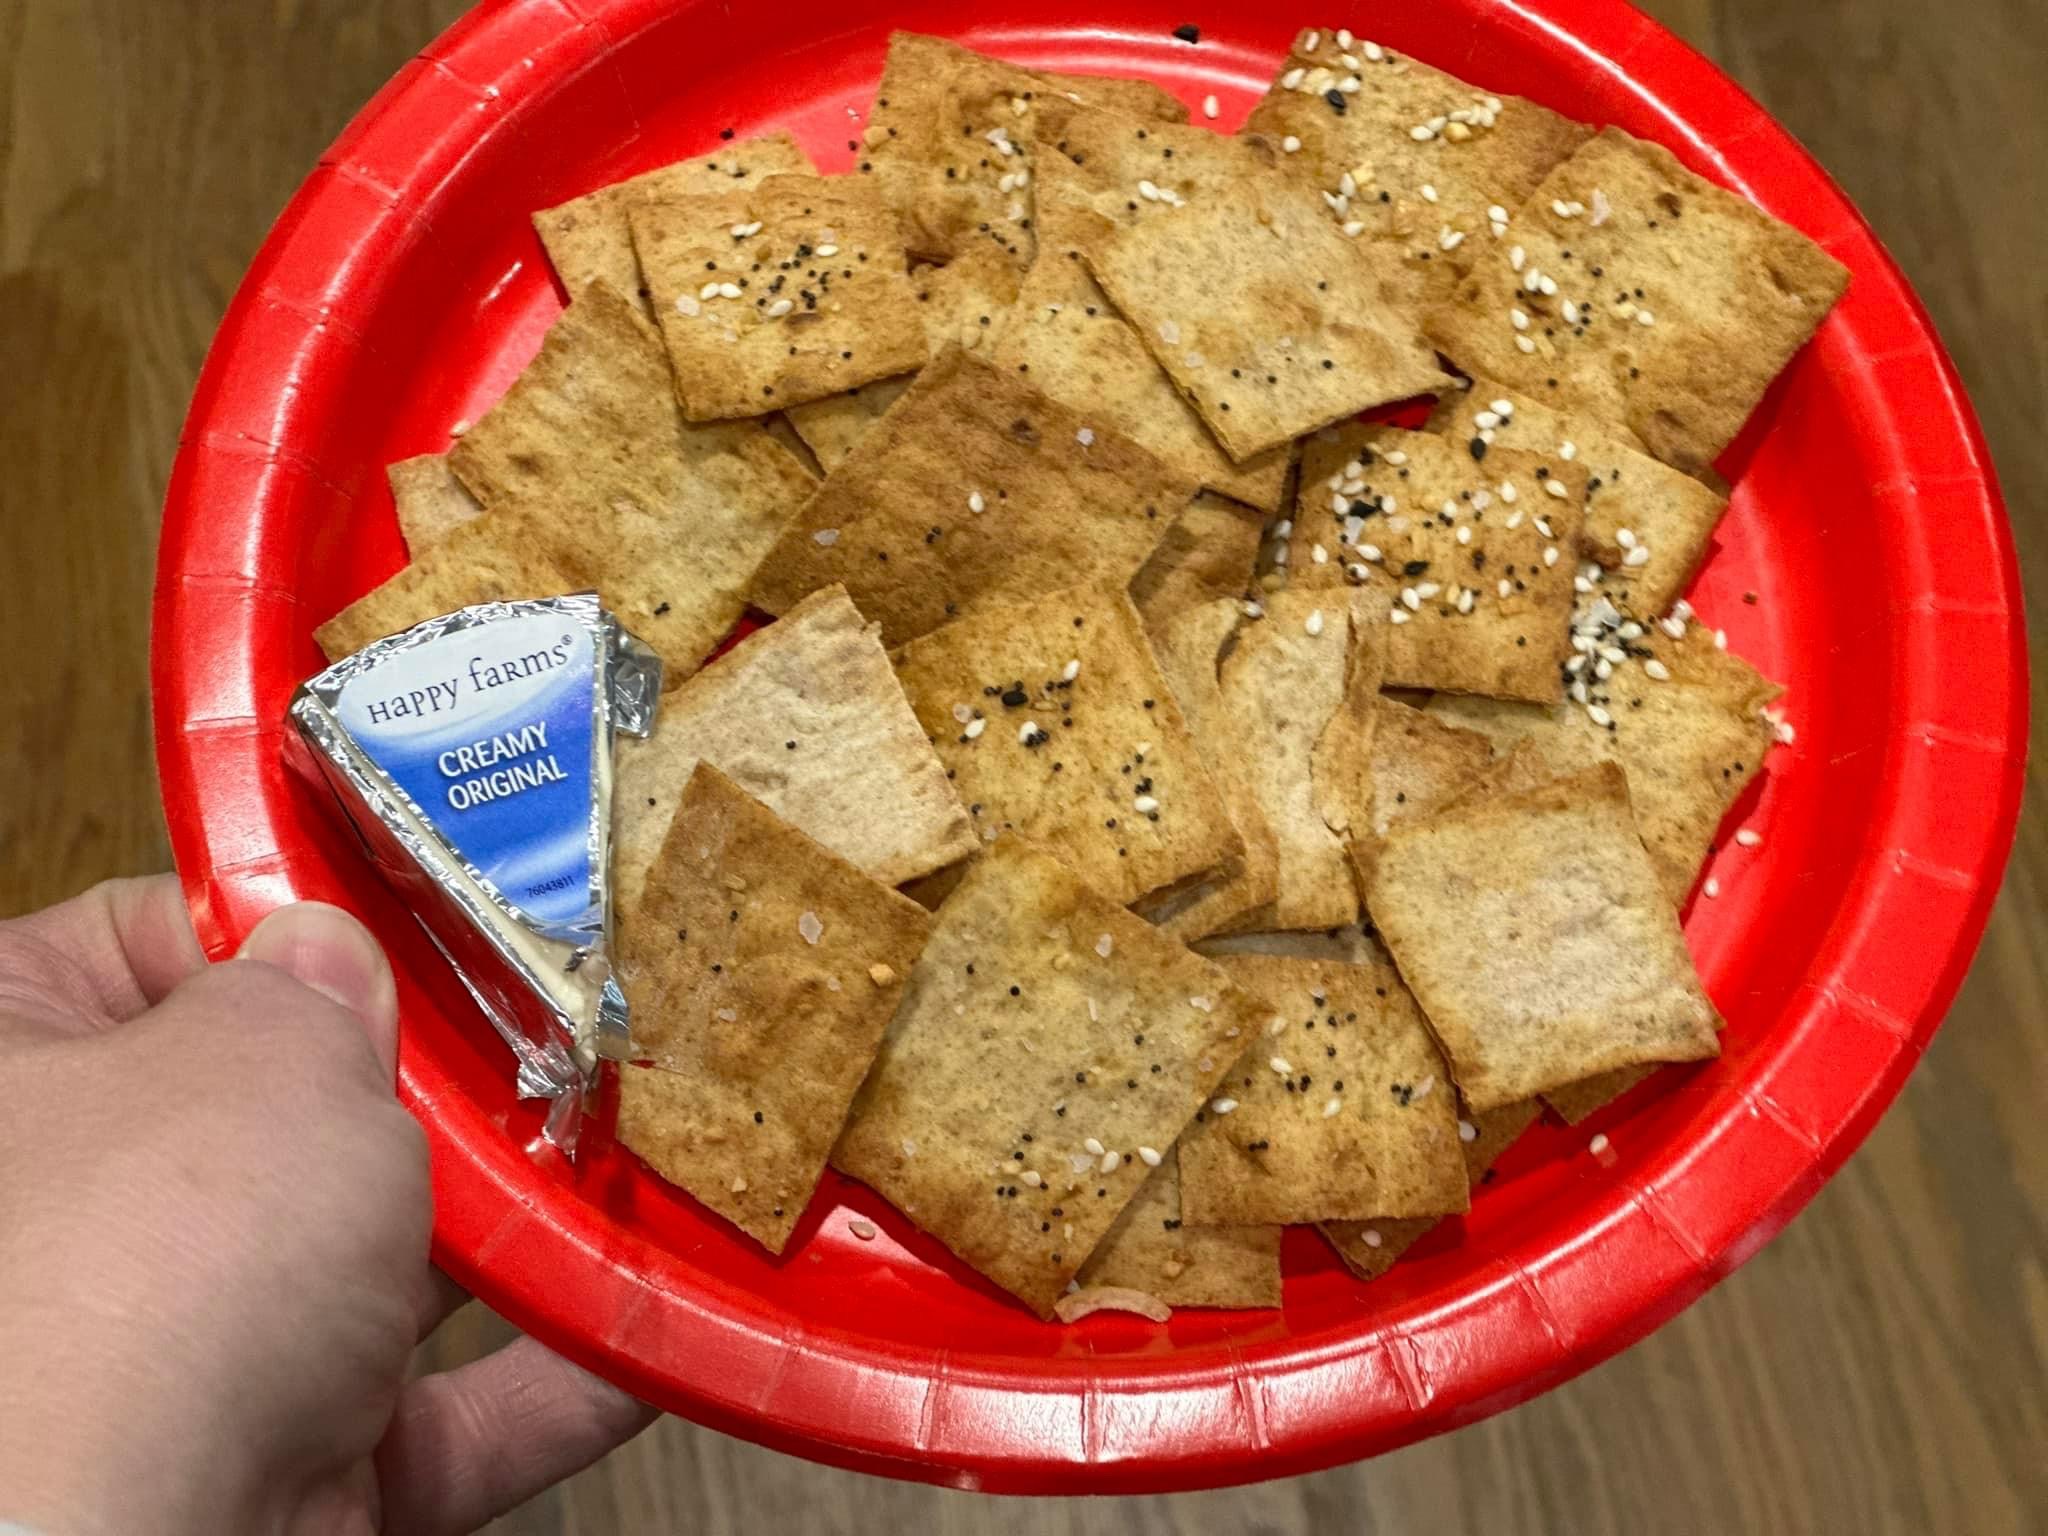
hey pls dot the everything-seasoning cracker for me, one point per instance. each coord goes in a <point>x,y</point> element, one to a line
<point>966,303</point>
<point>951,142</point>
<point>1533,931</point>
<point>1408,158</point>
<point>1647,524</point>
<point>1298,691</point>
<point>1266,318</point>
<point>1208,554</point>
<point>1684,719</point>
<point>1076,347</point>
<point>762,974</point>
<point>785,292</point>
<point>1635,293</point>
<point>506,553</point>
<point>1475,560</point>
<point>1369,1248</point>
<point>1152,1250</point>
<point>1055,723</point>
<point>666,520</point>
<point>589,240</point>
<point>1190,648</point>
<point>431,501</point>
<point>1048,1051</point>
<point>807,716</point>
<point>1347,1111</point>
<point>974,485</point>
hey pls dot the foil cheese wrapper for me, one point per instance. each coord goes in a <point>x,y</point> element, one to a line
<point>473,754</point>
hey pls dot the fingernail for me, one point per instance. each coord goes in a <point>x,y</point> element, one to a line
<point>332,953</point>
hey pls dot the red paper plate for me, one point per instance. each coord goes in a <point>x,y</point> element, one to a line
<point>403,289</point>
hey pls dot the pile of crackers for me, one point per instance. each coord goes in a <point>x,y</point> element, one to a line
<point>1168,805</point>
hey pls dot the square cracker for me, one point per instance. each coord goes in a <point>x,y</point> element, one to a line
<point>761,981</point>
<point>967,301</point>
<point>1151,1249</point>
<point>1264,316</point>
<point>1097,767</point>
<point>950,131</point>
<point>785,292</point>
<point>1648,524</point>
<point>1347,1112</point>
<point>1532,930</point>
<point>589,240</point>
<point>1046,1041</point>
<point>1689,743</point>
<point>1440,536</point>
<point>1419,761</point>
<point>1689,300</point>
<point>896,521</point>
<point>1369,1248</point>
<point>1190,649</point>
<point>1208,554</point>
<point>806,716</point>
<point>431,502</point>
<point>1479,152</point>
<point>1075,346</point>
<point>1298,691</point>
<point>666,520</point>
<point>506,553</point>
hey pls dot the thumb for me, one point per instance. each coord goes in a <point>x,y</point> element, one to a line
<point>328,950</point>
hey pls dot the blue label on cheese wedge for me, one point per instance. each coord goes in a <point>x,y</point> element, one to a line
<point>488,731</point>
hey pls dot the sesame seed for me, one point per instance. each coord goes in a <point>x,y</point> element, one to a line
<point>1332,1107</point>
<point>728,290</point>
<point>1640,555</point>
<point>1524,344</point>
<point>1371,1237</point>
<point>779,308</point>
<point>1033,1178</point>
<point>974,728</point>
<point>833,250</point>
<point>1110,1162</point>
<point>1293,78</point>
<point>1516,256</point>
<point>1209,106</point>
<point>741,231</point>
<point>1428,193</point>
<point>975,503</point>
<point>1644,317</point>
<point>1712,887</point>
<point>1397,616</point>
<point>864,1230</point>
<point>1467,1131</point>
<point>1599,716</point>
<point>1749,838</point>
<point>1290,145</point>
<point>1314,623</point>
<point>708,291</point>
<point>1598,1144</point>
<point>1519,319</point>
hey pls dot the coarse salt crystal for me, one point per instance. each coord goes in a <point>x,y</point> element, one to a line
<point>809,926</point>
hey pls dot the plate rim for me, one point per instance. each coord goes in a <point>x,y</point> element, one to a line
<point>1534,1312</point>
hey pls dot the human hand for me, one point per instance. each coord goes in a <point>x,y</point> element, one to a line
<point>213,1247</point>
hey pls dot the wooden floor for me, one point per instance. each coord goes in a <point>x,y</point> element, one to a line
<point>1882,1367</point>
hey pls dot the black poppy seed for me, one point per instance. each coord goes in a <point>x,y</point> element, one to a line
<point>757,1117</point>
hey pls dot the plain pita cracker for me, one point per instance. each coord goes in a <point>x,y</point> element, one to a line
<point>1647,523</point>
<point>761,977</point>
<point>1428,198</point>
<point>1153,1251</point>
<point>952,130</point>
<point>1074,345</point>
<point>1690,742</point>
<point>1369,1248</point>
<point>785,292</point>
<point>1686,300</point>
<point>806,716</point>
<point>1347,1112</point>
<point>1047,1041</point>
<point>667,521</point>
<point>973,486</point>
<point>1475,560</point>
<point>589,241</point>
<point>502,555</point>
<point>1055,724</point>
<point>431,501</point>
<point>965,302</point>
<point>1298,690</point>
<point>1207,555</point>
<point>1190,649</point>
<point>1265,317</point>
<point>1532,930</point>
<point>1419,764</point>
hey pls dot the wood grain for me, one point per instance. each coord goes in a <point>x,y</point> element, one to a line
<point>1882,1367</point>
